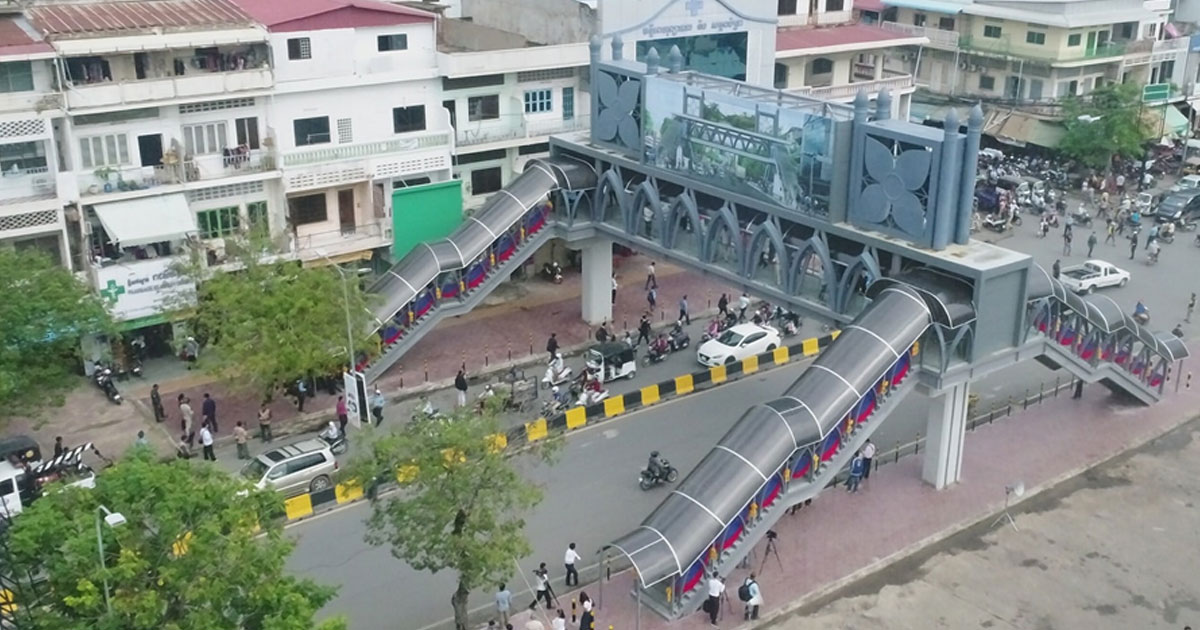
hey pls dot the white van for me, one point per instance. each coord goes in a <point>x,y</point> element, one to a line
<point>18,488</point>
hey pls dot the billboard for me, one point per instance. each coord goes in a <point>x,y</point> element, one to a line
<point>776,154</point>
<point>718,54</point>
<point>144,287</point>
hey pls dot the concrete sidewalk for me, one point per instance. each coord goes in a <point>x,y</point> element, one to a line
<point>842,538</point>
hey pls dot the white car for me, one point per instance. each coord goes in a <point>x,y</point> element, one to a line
<point>1092,275</point>
<point>1187,182</point>
<point>737,343</point>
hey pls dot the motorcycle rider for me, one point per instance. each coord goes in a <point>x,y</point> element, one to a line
<point>1152,250</point>
<point>659,346</point>
<point>331,432</point>
<point>555,368</point>
<point>657,466</point>
<point>1141,313</point>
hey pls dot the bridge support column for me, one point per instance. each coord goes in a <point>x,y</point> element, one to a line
<point>597,280</point>
<point>945,434</point>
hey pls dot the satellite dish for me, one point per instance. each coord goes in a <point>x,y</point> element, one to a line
<point>1017,489</point>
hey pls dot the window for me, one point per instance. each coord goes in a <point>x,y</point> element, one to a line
<point>406,119</point>
<point>452,108</point>
<point>392,42</point>
<point>467,83</point>
<point>257,216</point>
<point>481,156</point>
<point>205,139</point>
<point>533,149</point>
<point>1036,86</point>
<point>919,19</point>
<point>299,48</point>
<point>787,7</point>
<point>247,132</point>
<point>109,150</point>
<point>20,156</point>
<point>485,180</point>
<point>539,101</point>
<point>1035,37</point>
<point>991,31</point>
<point>311,130</point>
<point>945,24</point>
<point>822,65</point>
<point>987,83</point>
<point>483,107</point>
<point>568,103</point>
<point>345,130</point>
<point>1074,39</point>
<point>834,5</point>
<point>16,76</point>
<point>307,209</point>
<point>219,222</point>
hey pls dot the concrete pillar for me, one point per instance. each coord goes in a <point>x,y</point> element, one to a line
<point>597,280</point>
<point>944,217</point>
<point>945,434</point>
<point>877,69</point>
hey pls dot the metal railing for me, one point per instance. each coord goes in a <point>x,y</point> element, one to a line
<point>342,236</point>
<point>24,183</point>
<point>850,90</point>
<point>1005,46</point>
<point>305,156</point>
<point>937,37</point>
<point>477,133</point>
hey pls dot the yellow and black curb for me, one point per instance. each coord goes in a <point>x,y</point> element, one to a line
<point>305,505</point>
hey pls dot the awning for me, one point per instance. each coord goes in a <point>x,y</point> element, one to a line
<point>1177,123</point>
<point>340,259</point>
<point>147,220</point>
<point>1018,129</point>
<point>161,41</point>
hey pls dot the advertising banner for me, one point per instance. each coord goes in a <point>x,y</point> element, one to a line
<point>143,288</point>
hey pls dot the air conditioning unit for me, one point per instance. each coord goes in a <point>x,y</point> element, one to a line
<point>972,68</point>
<point>962,65</point>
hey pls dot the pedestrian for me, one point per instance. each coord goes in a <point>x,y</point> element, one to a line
<point>753,598</point>
<point>542,588</point>
<point>651,276</point>
<point>856,472</point>
<point>503,603</point>
<point>643,330</point>
<point>868,453</point>
<point>156,403</point>
<point>240,437</point>
<point>723,305</point>
<point>1056,268</point>
<point>460,386</point>
<point>743,304</point>
<point>560,621</point>
<point>1067,236</point>
<point>601,333</point>
<point>206,441</point>
<point>552,345</point>
<point>377,402</point>
<point>141,439</point>
<point>586,619</point>
<point>1078,389</point>
<point>208,412</point>
<point>712,605</point>
<point>614,288</point>
<point>648,220</point>
<point>59,449</point>
<point>1190,307</point>
<point>652,298</point>
<point>683,311</point>
<point>301,394</point>
<point>1091,242</point>
<point>342,415</point>
<point>264,423</point>
<point>1133,241</point>
<point>1111,237</point>
<point>187,419</point>
<point>569,560</point>
<point>182,449</point>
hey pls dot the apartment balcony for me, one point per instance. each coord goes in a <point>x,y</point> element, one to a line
<point>26,102</point>
<point>493,132</point>
<point>345,240</point>
<point>938,38</point>
<point>147,91</point>
<point>27,184</point>
<point>462,64</point>
<point>325,153</point>
<point>203,168</point>
<point>894,82</point>
<point>1004,47</point>
<point>29,217</point>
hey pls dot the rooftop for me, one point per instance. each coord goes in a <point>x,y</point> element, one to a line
<point>455,36</point>
<point>19,38</point>
<point>848,37</point>
<point>98,18</point>
<point>312,15</point>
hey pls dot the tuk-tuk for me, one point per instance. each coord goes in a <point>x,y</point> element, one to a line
<point>22,448</point>
<point>612,360</point>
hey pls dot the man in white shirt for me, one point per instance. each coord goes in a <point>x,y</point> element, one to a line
<point>868,452</point>
<point>542,589</point>
<point>569,559</point>
<point>206,440</point>
<point>715,588</point>
<point>651,276</point>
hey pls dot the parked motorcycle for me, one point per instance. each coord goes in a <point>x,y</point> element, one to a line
<point>646,480</point>
<point>103,377</point>
<point>552,271</point>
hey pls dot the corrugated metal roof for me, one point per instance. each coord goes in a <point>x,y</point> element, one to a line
<point>19,39</point>
<point>136,15</point>
<point>318,14</point>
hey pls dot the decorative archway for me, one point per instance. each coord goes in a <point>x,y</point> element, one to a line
<point>859,274</point>
<point>812,272</point>
<point>723,241</point>
<point>767,260</point>
<point>610,198</point>
<point>646,196</point>
<point>684,231</point>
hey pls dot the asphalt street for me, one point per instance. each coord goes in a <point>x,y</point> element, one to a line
<point>591,494</point>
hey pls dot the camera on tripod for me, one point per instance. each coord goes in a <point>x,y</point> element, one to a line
<point>771,534</point>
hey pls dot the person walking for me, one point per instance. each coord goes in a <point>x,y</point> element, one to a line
<point>569,560</point>
<point>1133,242</point>
<point>602,334</point>
<point>187,419</point>
<point>503,603</point>
<point>1111,236</point>
<point>343,415</point>
<point>1056,268</point>
<point>723,305</point>
<point>541,589</point>
<point>614,288</point>
<point>868,454</point>
<point>552,345</point>
<point>1091,243</point>
<point>1191,306</point>
<point>264,423</point>
<point>377,402</point>
<point>59,449</point>
<point>586,619</point>
<point>856,472</point>
<point>753,598</point>
<point>1067,236</point>
<point>141,439</point>
<point>713,604</point>
<point>156,403</point>
<point>651,276</point>
<point>743,304</point>
<point>683,311</point>
<point>208,412</point>
<point>460,386</point>
<point>206,441</point>
<point>301,394</point>
<point>240,437</point>
<point>643,330</point>
<point>652,298</point>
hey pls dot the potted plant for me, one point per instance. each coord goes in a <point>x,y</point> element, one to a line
<point>104,174</point>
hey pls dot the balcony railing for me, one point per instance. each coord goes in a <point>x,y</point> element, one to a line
<point>150,90</point>
<point>938,38</point>
<point>360,150</point>
<point>847,92</point>
<point>199,168</point>
<point>475,133</point>
<point>346,239</point>
<point>1004,46</point>
<point>27,183</point>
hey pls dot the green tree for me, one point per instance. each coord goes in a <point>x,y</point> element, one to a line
<point>44,312</point>
<point>463,500</point>
<point>1109,121</point>
<point>195,553</point>
<point>274,321</point>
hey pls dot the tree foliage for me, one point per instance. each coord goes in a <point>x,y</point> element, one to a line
<point>45,311</point>
<point>1110,121</point>
<point>462,504</point>
<point>274,321</point>
<point>194,554</point>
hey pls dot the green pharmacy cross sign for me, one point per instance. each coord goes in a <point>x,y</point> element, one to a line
<point>112,291</point>
<point>1156,92</point>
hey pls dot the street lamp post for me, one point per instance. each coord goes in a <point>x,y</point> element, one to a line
<point>346,306</point>
<point>113,519</point>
